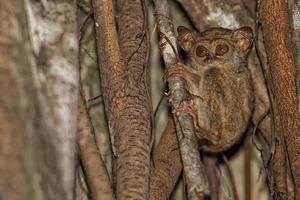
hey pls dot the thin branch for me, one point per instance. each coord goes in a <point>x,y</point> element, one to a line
<point>211,164</point>
<point>231,178</point>
<point>197,184</point>
<point>166,166</point>
<point>94,166</point>
<point>158,105</point>
<point>247,166</point>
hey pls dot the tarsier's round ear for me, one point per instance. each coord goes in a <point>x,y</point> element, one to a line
<point>244,37</point>
<point>185,37</point>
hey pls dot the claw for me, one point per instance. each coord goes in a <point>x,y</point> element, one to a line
<point>167,93</point>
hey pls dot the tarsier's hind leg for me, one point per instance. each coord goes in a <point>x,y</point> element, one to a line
<point>188,107</point>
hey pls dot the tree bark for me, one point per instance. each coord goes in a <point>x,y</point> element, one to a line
<point>167,165</point>
<point>93,164</point>
<point>40,112</point>
<point>277,39</point>
<point>57,73</point>
<point>17,110</point>
<point>124,82</point>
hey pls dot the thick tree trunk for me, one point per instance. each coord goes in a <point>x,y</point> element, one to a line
<point>278,41</point>
<point>38,114</point>
<point>17,109</point>
<point>56,53</point>
<point>124,82</point>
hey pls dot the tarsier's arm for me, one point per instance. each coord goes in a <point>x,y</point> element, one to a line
<point>189,75</point>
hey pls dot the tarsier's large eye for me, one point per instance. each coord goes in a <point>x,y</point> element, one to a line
<point>201,51</point>
<point>221,49</point>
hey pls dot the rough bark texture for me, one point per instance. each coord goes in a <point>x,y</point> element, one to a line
<point>126,95</point>
<point>196,180</point>
<point>279,171</point>
<point>277,37</point>
<point>134,45</point>
<point>93,164</point>
<point>167,165</point>
<point>41,109</point>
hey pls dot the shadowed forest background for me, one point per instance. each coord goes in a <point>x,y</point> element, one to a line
<point>84,111</point>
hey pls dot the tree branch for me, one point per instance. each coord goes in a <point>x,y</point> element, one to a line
<point>93,164</point>
<point>167,164</point>
<point>197,185</point>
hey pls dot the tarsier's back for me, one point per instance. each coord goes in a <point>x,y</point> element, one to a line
<point>219,82</point>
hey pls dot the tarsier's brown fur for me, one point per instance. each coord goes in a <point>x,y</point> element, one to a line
<point>219,82</point>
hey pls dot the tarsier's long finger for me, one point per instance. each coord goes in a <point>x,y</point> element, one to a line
<point>178,71</point>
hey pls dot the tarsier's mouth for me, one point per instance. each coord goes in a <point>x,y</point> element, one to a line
<point>209,60</point>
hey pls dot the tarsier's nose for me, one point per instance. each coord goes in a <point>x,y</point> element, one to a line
<point>209,57</point>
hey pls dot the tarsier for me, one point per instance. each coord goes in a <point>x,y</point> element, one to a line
<point>219,83</point>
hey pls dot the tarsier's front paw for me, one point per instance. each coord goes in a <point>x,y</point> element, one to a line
<point>179,70</point>
<point>172,71</point>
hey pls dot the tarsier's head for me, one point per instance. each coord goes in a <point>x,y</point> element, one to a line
<point>216,45</point>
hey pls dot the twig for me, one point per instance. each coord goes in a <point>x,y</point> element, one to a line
<point>158,105</point>
<point>247,167</point>
<point>197,184</point>
<point>231,178</point>
<point>211,164</point>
